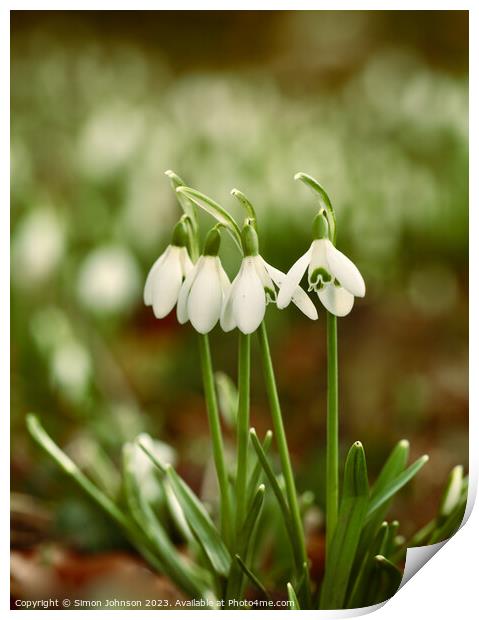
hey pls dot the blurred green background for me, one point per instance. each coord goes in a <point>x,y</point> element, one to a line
<point>373,104</point>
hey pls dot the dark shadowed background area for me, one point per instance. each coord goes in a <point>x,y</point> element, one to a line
<point>373,104</point>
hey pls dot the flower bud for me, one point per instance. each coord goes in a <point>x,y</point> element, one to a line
<point>250,240</point>
<point>212,242</point>
<point>320,226</point>
<point>180,234</point>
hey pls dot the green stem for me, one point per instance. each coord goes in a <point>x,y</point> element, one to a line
<point>332,450</point>
<point>242,426</point>
<point>216,437</point>
<point>282,443</point>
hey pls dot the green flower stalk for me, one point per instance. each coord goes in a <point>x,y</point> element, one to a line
<point>242,428</point>
<point>337,281</point>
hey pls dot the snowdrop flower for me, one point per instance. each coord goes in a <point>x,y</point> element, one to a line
<point>331,274</point>
<point>165,278</point>
<point>202,293</point>
<point>254,287</point>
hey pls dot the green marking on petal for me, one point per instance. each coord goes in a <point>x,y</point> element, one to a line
<point>318,278</point>
<point>270,295</point>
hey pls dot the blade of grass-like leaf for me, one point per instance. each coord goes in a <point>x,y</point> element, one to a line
<point>303,587</point>
<point>235,578</point>
<point>252,577</point>
<point>292,598</point>
<point>421,537</point>
<point>198,519</point>
<point>252,517</point>
<point>455,493</point>
<point>451,525</point>
<point>387,578</point>
<point>276,490</point>
<point>359,593</point>
<point>39,434</point>
<point>184,575</point>
<point>352,512</point>
<point>200,523</point>
<point>452,492</point>
<point>134,534</point>
<point>394,465</point>
<point>395,485</point>
<point>258,468</point>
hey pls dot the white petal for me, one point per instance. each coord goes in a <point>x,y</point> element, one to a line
<point>182,305</point>
<point>166,284</point>
<point>186,264</point>
<point>318,257</point>
<point>227,320</point>
<point>344,270</point>
<point>292,280</point>
<point>336,299</point>
<point>264,276</point>
<point>225,281</point>
<point>302,300</point>
<point>300,297</point>
<point>206,296</point>
<point>147,292</point>
<point>249,299</point>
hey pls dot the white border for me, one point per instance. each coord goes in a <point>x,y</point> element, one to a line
<point>449,584</point>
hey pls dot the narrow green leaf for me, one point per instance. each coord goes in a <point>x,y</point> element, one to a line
<point>452,493</point>
<point>276,490</point>
<point>213,208</point>
<point>394,465</point>
<point>39,434</point>
<point>134,534</point>
<point>198,519</point>
<point>303,587</point>
<point>235,578</point>
<point>395,485</point>
<point>451,524</point>
<point>258,468</point>
<point>387,578</point>
<point>359,592</point>
<point>252,577</point>
<point>449,516</point>
<point>293,599</point>
<point>421,537</point>
<point>201,524</point>
<point>177,514</point>
<point>186,576</point>
<point>351,516</point>
<point>244,539</point>
<point>227,398</point>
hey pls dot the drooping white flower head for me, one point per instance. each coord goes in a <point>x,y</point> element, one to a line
<point>165,278</point>
<point>331,274</point>
<point>253,288</point>
<point>203,291</point>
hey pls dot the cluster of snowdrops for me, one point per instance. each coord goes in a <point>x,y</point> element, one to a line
<point>225,556</point>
